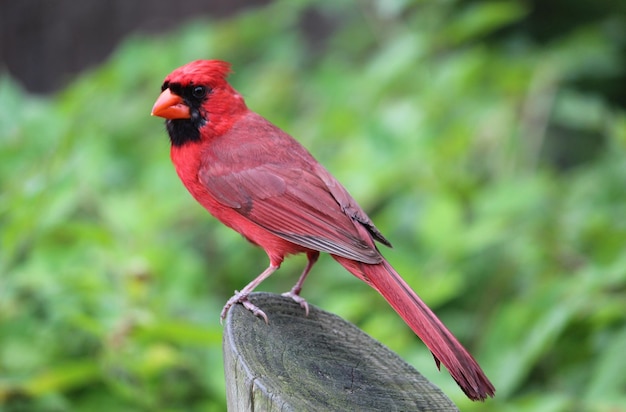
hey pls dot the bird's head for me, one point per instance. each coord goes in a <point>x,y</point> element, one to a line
<point>197,102</point>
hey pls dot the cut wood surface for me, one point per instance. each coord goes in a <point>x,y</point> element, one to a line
<point>318,362</point>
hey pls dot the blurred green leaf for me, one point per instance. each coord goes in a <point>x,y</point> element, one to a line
<point>62,378</point>
<point>481,18</point>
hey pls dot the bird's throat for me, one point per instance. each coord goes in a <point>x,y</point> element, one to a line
<point>182,131</point>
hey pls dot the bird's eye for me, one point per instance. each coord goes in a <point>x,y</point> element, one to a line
<point>199,92</point>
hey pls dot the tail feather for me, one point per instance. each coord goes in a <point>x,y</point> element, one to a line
<point>441,342</point>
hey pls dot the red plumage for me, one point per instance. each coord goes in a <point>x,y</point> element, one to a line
<point>259,181</point>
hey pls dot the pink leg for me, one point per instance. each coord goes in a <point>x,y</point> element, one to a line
<point>242,297</point>
<point>294,293</point>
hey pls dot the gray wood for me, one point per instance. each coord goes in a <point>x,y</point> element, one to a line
<point>315,363</point>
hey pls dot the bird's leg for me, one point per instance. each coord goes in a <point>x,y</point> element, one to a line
<point>294,293</point>
<point>242,296</point>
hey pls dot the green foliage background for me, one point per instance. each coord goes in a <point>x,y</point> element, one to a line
<point>500,181</point>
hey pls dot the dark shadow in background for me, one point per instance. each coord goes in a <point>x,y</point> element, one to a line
<point>45,43</point>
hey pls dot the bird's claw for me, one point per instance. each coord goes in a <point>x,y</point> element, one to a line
<point>255,310</point>
<point>239,297</point>
<point>299,300</point>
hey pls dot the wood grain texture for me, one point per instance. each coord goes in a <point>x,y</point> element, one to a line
<point>315,363</point>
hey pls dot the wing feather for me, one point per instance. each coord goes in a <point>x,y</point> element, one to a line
<point>275,183</point>
<point>303,212</point>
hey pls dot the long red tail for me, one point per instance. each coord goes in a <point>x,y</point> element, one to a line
<point>441,342</point>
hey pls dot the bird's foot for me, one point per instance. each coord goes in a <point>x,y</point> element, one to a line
<point>242,298</point>
<point>298,299</point>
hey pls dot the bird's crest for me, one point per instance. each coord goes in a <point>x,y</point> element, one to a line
<point>210,72</point>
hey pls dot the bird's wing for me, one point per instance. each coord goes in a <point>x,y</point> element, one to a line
<point>296,204</point>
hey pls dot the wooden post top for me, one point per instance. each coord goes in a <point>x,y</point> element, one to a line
<point>318,362</point>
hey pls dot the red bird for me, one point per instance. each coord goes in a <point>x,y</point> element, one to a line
<point>259,181</point>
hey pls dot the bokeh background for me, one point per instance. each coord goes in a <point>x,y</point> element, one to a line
<point>487,140</point>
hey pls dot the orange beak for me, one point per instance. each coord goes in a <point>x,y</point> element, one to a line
<point>170,106</point>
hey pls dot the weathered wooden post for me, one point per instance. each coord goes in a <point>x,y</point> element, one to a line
<point>315,363</point>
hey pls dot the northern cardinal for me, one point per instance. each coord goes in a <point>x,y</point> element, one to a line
<point>259,181</point>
